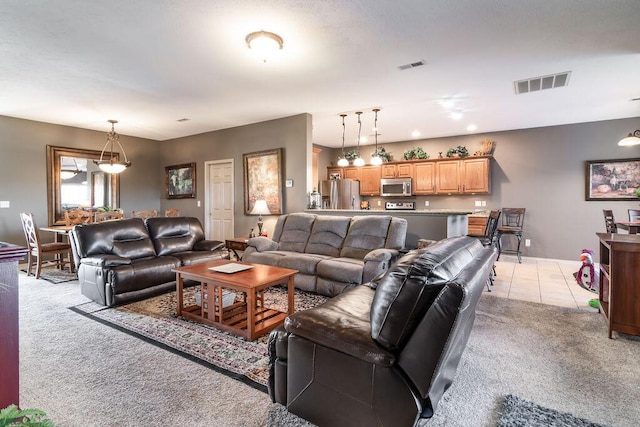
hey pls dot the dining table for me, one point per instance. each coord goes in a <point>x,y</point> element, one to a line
<point>59,231</point>
<point>631,226</point>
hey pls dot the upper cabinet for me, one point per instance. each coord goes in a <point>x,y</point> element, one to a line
<point>475,176</point>
<point>349,172</point>
<point>424,178</point>
<point>370,180</point>
<point>448,176</point>
<point>396,170</point>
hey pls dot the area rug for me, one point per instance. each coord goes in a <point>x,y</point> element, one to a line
<point>517,412</point>
<point>154,320</point>
<point>55,275</point>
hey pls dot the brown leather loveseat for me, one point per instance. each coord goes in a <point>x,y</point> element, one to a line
<point>382,353</point>
<point>131,259</point>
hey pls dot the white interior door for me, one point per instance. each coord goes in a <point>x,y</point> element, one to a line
<point>219,199</point>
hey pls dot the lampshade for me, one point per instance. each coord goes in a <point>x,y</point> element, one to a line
<point>260,208</point>
<point>631,139</point>
<point>264,43</point>
<point>112,164</point>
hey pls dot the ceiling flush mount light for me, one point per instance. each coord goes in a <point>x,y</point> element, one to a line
<point>631,139</point>
<point>415,134</point>
<point>112,164</point>
<point>472,128</point>
<point>456,115</point>
<point>342,162</point>
<point>264,43</point>
<point>376,160</point>
<point>359,161</point>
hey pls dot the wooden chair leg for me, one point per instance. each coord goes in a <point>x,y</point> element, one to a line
<point>38,266</point>
<point>29,263</point>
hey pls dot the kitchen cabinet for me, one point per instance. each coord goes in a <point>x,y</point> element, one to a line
<point>369,180</point>
<point>448,176</point>
<point>396,170</point>
<point>348,172</point>
<point>333,170</point>
<point>474,175</point>
<point>424,178</point>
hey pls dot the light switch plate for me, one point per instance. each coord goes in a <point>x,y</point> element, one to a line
<point>426,203</point>
<point>478,203</point>
<point>288,183</point>
<point>4,204</point>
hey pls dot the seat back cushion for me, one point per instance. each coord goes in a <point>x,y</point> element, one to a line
<point>365,234</point>
<point>127,238</point>
<point>397,234</point>
<point>174,234</point>
<point>327,235</point>
<point>411,285</point>
<point>295,232</point>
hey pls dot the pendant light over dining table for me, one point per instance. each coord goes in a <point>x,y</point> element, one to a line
<point>359,161</point>
<point>112,164</point>
<point>376,160</point>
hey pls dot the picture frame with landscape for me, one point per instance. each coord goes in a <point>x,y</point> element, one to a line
<point>180,181</point>
<point>612,180</point>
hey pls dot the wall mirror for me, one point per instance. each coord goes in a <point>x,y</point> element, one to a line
<point>74,181</point>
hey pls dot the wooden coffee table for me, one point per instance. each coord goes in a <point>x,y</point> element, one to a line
<point>248,318</point>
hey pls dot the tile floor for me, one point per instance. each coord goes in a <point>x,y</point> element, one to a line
<point>540,280</point>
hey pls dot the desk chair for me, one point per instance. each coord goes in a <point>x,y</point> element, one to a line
<point>634,214</point>
<point>77,216</point>
<point>38,250</point>
<point>512,224</point>
<point>490,238</point>
<point>144,214</point>
<point>609,221</point>
<point>107,216</point>
<point>172,212</point>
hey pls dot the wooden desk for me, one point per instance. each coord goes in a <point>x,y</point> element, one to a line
<point>58,230</point>
<point>619,293</point>
<point>631,226</point>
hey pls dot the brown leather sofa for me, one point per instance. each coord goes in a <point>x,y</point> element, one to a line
<point>382,353</point>
<point>131,259</point>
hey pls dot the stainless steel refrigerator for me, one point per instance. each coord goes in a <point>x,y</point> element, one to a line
<point>340,194</point>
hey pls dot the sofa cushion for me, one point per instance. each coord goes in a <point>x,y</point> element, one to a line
<point>295,232</point>
<point>304,263</point>
<point>327,235</point>
<point>177,234</point>
<point>365,234</point>
<point>411,285</point>
<point>268,258</point>
<point>346,270</point>
<point>195,257</point>
<point>142,273</point>
<point>126,238</point>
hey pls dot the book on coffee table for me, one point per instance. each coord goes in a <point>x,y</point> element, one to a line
<point>232,267</point>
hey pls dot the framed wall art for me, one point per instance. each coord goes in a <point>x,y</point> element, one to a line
<point>612,179</point>
<point>263,179</point>
<point>180,181</point>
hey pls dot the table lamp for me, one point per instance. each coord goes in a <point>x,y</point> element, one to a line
<point>260,208</point>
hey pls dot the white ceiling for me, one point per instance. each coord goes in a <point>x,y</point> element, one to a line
<point>148,63</point>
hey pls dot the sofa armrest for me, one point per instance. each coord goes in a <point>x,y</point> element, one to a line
<point>278,349</point>
<point>105,260</point>
<point>377,262</point>
<point>262,244</point>
<point>208,245</point>
<point>381,255</point>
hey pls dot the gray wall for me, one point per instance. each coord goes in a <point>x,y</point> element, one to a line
<point>542,170</point>
<point>290,133</point>
<point>23,170</point>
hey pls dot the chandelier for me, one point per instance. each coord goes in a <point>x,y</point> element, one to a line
<point>112,164</point>
<point>631,139</point>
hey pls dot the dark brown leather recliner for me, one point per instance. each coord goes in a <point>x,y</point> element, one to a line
<point>130,259</point>
<point>382,354</point>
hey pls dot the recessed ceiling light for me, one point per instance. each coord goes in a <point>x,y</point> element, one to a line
<point>456,115</point>
<point>447,103</point>
<point>472,127</point>
<point>415,134</point>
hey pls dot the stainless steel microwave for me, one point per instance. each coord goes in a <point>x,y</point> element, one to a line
<point>395,187</point>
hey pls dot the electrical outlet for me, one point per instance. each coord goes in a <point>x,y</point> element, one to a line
<point>426,203</point>
<point>478,203</point>
<point>484,203</point>
<point>527,242</point>
<point>379,202</point>
<point>198,203</point>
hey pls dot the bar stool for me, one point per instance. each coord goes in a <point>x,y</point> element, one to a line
<point>634,214</point>
<point>512,224</point>
<point>609,221</point>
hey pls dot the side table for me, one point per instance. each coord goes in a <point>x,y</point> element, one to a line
<point>236,244</point>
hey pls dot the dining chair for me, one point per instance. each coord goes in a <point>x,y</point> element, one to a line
<point>512,224</point>
<point>490,238</point>
<point>144,214</point>
<point>609,221</point>
<point>77,216</point>
<point>38,250</point>
<point>634,214</point>
<point>107,216</point>
<point>172,212</point>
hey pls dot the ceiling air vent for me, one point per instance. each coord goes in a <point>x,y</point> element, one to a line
<point>411,65</point>
<point>540,83</point>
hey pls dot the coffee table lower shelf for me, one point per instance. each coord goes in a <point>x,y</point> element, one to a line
<point>234,319</point>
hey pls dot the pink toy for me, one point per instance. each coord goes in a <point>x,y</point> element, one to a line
<point>587,275</point>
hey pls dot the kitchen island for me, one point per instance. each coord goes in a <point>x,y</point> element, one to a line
<point>431,224</point>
